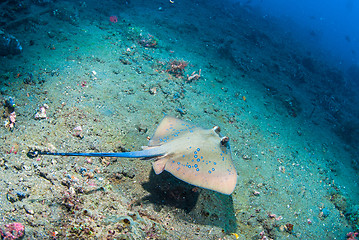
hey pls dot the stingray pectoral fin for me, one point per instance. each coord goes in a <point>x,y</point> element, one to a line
<point>169,130</point>
<point>221,181</point>
<point>159,164</point>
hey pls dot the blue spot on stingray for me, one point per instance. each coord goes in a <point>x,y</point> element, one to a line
<point>209,172</point>
<point>173,161</point>
<point>183,155</point>
<point>198,160</point>
<point>195,165</point>
<point>189,166</point>
<point>197,169</point>
<point>201,157</point>
<point>161,139</point>
<point>192,160</point>
<point>214,163</point>
<point>213,169</point>
<point>198,149</point>
<point>178,169</point>
<point>195,156</point>
<point>195,152</point>
<point>178,163</point>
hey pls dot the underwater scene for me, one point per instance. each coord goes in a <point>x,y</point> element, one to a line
<point>179,119</point>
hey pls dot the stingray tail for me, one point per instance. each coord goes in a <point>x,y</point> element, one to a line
<point>148,153</point>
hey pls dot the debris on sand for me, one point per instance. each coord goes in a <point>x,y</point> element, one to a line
<point>41,114</point>
<point>9,113</point>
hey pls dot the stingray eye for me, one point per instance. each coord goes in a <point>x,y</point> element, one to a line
<point>224,140</point>
<point>217,129</point>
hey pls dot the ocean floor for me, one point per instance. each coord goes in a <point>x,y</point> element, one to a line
<point>105,86</point>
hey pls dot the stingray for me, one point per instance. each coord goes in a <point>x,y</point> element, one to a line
<point>201,157</point>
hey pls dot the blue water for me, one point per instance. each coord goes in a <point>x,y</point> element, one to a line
<point>330,26</point>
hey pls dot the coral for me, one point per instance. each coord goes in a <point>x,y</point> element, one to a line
<point>289,227</point>
<point>113,19</point>
<point>147,40</point>
<point>9,113</point>
<point>10,123</point>
<point>352,235</point>
<point>194,76</point>
<point>12,231</point>
<point>71,201</point>
<point>176,68</point>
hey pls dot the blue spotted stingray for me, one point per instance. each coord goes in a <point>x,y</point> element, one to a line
<point>198,156</point>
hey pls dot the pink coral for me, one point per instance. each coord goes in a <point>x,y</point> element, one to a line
<point>352,235</point>
<point>12,231</point>
<point>176,68</point>
<point>12,119</point>
<point>113,19</point>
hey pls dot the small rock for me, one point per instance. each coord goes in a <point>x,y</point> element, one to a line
<point>282,228</point>
<point>141,128</point>
<point>324,213</point>
<point>256,193</point>
<point>14,196</point>
<point>41,114</point>
<point>252,222</point>
<point>118,175</point>
<point>28,209</point>
<point>153,91</point>
<point>77,132</point>
<point>246,157</point>
<point>299,132</point>
<point>126,172</point>
<point>9,44</point>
